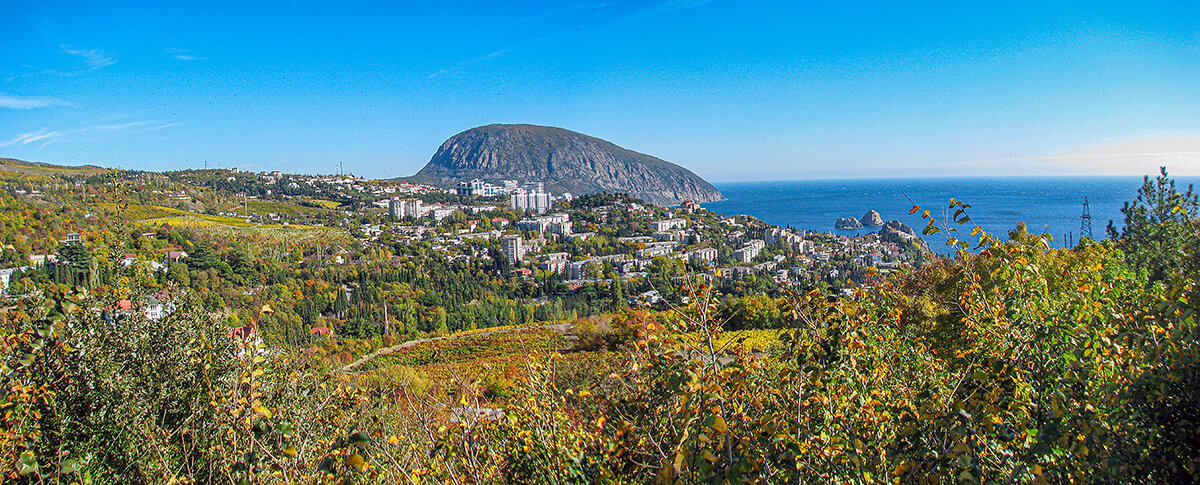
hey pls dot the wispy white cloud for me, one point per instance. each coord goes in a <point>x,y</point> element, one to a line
<point>493,55</point>
<point>160,127</point>
<point>95,58</point>
<point>31,102</point>
<point>32,137</point>
<point>87,133</point>
<point>1138,156</point>
<point>635,14</point>
<point>182,54</point>
<point>470,62</point>
<point>1180,154</point>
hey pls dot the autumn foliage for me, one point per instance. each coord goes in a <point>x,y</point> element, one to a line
<point>1009,361</point>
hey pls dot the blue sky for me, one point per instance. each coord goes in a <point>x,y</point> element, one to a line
<point>734,90</point>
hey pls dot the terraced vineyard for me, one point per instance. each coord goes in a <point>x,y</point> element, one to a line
<point>445,354</point>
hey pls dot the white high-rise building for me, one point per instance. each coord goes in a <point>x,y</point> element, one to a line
<point>535,201</point>
<point>401,208</point>
<point>479,187</point>
<point>668,224</point>
<point>512,247</point>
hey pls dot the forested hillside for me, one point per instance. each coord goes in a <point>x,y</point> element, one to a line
<point>1008,361</point>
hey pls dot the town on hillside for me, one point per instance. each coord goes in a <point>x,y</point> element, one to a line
<point>212,233</point>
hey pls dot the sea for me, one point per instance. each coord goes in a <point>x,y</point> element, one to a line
<point>1053,205</point>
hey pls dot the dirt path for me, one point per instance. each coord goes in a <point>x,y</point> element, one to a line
<point>560,327</point>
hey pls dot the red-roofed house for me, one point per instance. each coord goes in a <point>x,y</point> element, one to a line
<point>246,337</point>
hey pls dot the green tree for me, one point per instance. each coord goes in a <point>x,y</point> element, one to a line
<point>1160,235</point>
<point>76,262</point>
<point>178,272</point>
<point>618,293</point>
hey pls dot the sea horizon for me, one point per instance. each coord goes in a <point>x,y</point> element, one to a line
<point>1045,203</point>
<point>715,182</point>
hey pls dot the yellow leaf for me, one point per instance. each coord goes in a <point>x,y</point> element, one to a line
<point>356,460</point>
<point>719,425</point>
<point>290,451</point>
<point>262,411</point>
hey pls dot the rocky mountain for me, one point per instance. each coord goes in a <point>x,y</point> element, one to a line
<point>564,160</point>
<point>847,223</point>
<point>872,219</point>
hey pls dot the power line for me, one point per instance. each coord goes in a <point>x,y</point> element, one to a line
<point>1085,221</point>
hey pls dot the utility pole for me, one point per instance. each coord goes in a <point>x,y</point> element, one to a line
<point>1085,221</point>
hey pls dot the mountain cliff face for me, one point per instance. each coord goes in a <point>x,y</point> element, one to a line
<point>564,160</point>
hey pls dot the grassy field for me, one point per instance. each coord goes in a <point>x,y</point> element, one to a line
<point>137,212</point>
<point>473,348</point>
<point>277,234</point>
<point>262,208</point>
<point>489,363</point>
<point>328,204</point>
<point>45,169</point>
<point>153,216</point>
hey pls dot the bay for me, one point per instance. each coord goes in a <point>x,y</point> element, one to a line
<point>1051,205</point>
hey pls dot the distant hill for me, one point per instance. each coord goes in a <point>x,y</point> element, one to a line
<point>564,160</point>
<point>37,168</point>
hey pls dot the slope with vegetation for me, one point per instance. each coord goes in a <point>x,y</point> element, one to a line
<point>1009,362</point>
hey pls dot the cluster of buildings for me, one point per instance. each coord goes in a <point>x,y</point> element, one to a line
<point>530,197</point>
<point>344,183</point>
<point>481,188</point>
<point>535,199</point>
<point>738,247</point>
<point>557,224</point>
<point>531,201</point>
<point>749,251</point>
<point>416,209</point>
<point>154,306</point>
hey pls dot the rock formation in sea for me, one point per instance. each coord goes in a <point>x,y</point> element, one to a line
<point>897,227</point>
<point>872,219</point>
<point>847,223</point>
